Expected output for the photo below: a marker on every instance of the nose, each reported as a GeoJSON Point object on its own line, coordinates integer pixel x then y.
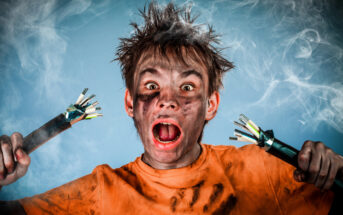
{"type": "Point", "coordinates": [167, 105]}
{"type": "Point", "coordinates": [168, 100]}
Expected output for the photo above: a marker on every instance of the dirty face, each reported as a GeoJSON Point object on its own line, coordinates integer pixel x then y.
{"type": "Point", "coordinates": [169, 105]}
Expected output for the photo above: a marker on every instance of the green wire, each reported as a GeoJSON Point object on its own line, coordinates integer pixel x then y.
{"type": "Point", "coordinates": [91, 117]}
{"type": "Point", "coordinates": [256, 133]}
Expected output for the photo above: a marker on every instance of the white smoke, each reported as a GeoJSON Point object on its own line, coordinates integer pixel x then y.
{"type": "Point", "coordinates": [31, 29]}
{"type": "Point", "coordinates": [288, 55]}
{"type": "Point", "coordinates": [33, 39]}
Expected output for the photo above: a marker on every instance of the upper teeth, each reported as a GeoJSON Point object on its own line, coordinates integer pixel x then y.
{"type": "Point", "coordinates": [165, 123]}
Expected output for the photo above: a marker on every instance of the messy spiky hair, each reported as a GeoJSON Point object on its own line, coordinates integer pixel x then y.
{"type": "Point", "coordinates": [172, 30]}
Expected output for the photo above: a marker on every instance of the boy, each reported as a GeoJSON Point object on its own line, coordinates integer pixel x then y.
{"type": "Point", "coordinates": [173, 75]}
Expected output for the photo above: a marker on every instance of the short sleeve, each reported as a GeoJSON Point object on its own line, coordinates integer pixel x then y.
{"type": "Point", "coordinates": [295, 197]}
{"type": "Point", "coordinates": [77, 197]}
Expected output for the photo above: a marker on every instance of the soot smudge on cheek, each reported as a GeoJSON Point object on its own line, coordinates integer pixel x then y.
{"type": "Point", "coordinates": [146, 99]}
{"type": "Point", "coordinates": [188, 103]}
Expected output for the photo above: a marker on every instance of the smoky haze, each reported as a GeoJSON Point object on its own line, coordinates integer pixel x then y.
{"type": "Point", "coordinates": [288, 77]}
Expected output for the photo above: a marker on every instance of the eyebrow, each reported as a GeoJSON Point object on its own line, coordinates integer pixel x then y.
{"type": "Point", "coordinates": [148, 70]}
{"type": "Point", "coordinates": [183, 74]}
{"type": "Point", "coordinates": [191, 72]}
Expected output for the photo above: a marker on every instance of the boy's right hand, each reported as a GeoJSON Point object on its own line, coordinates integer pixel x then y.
{"type": "Point", "coordinates": [14, 162]}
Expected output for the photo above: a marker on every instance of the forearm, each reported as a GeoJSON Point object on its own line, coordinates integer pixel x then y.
{"type": "Point", "coordinates": [11, 207]}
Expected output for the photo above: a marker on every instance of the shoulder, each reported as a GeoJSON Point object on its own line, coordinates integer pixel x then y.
{"type": "Point", "coordinates": [244, 149]}
{"type": "Point", "coordinates": [247, 151]}
{"type": "Point", "coordinates": [105, 168]}
{"type": "Point", "coordinates": [237, 161]}
{"type": "Point", "coordinates": [105, 172]}
{"type": "Point", "coordinates": [250, 158]}
{"type": "Point", "coordinates": [101, 168]}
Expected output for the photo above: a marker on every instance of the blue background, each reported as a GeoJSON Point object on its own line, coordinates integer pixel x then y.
{"type": "Point", "coordinates": [288, 76]}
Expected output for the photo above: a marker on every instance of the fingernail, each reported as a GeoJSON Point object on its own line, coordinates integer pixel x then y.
{"type": "Point", "coordinates": [296, 176]}
{"type": "Point", "coordinates": [302, 177]}
{"type": "Point", "coordinates": [19, 154]}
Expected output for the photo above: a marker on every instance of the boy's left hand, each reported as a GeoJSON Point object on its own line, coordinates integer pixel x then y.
{"type": "Point", "coordinates": [318, 165]}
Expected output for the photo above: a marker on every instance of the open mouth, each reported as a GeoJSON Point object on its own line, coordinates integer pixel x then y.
{"type": "Point", "coordinates": [166, 132]}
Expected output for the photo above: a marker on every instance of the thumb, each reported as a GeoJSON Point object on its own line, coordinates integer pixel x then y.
{"type": "Point", "coordinates": [24, 161]}
{"type": "Point", "coordinates": [299, 175]}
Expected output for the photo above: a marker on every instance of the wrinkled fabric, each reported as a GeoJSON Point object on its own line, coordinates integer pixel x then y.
{"type": "Point", "coordinates": [223, 180]}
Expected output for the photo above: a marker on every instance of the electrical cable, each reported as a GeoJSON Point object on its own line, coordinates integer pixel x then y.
{"type": "Point", "coordinates": [266, 140]}
{"type": "Point", "coordinates": [81, 110]}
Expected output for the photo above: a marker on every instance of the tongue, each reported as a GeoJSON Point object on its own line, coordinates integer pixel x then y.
{"type": "Point", "coordinates": [167, 132]}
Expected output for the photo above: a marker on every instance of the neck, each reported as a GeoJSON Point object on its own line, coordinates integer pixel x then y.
{"type": "Point", "coordinates": [185, 160]}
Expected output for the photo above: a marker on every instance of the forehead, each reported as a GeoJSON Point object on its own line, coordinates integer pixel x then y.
{"type": "Point", "coordinates": [171, 60]}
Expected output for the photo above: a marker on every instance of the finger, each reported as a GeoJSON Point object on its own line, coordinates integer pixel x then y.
{"type": "Point", "coordinates": [3, 139]}
{"type": "Point", "coordinates": [313, 170]}
{"type": "Point", "coordinates": [304, 156]}
{"type": "Point", "coordinates": [23, 162]}
{"type": "Point", "coordinates": [299, 175]}
{"type": "Point", "coordinates": [17, 141]}
{"type": "Point", "coordinates": [323, 172]}
{"type": "Point", "coordinates": [340, 168]}
{"type": "Point", "coordinates": [2, 166]}
{"type": "Point", "coordinates": [7, 154]}
{"type": "Point", "coordinates": [331, 176]}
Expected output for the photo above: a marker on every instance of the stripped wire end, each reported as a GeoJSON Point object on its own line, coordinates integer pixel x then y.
{"type": "Point", "coordinates": [82, 109]}
{"type": "Point", "coordinates": [241, 126]}
{"type": "Point", "coordinates": [250, 125]}
{"type": "Point", "coordinates": [245, 137]}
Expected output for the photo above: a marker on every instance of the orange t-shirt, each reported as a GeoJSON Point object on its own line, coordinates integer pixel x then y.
{"type": "Point", "coordinates": [223, 180]}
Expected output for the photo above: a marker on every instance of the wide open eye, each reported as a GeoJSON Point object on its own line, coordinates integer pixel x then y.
{"type": "Point", "coordinates": [151, 86]}
{"type": "Point", "coordinates": [187, 87]}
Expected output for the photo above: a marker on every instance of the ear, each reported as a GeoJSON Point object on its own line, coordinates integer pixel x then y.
{"type": "Point", "coordinates": [128, 103]}
{"type": "Point", "coordinates": [212, 107]}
